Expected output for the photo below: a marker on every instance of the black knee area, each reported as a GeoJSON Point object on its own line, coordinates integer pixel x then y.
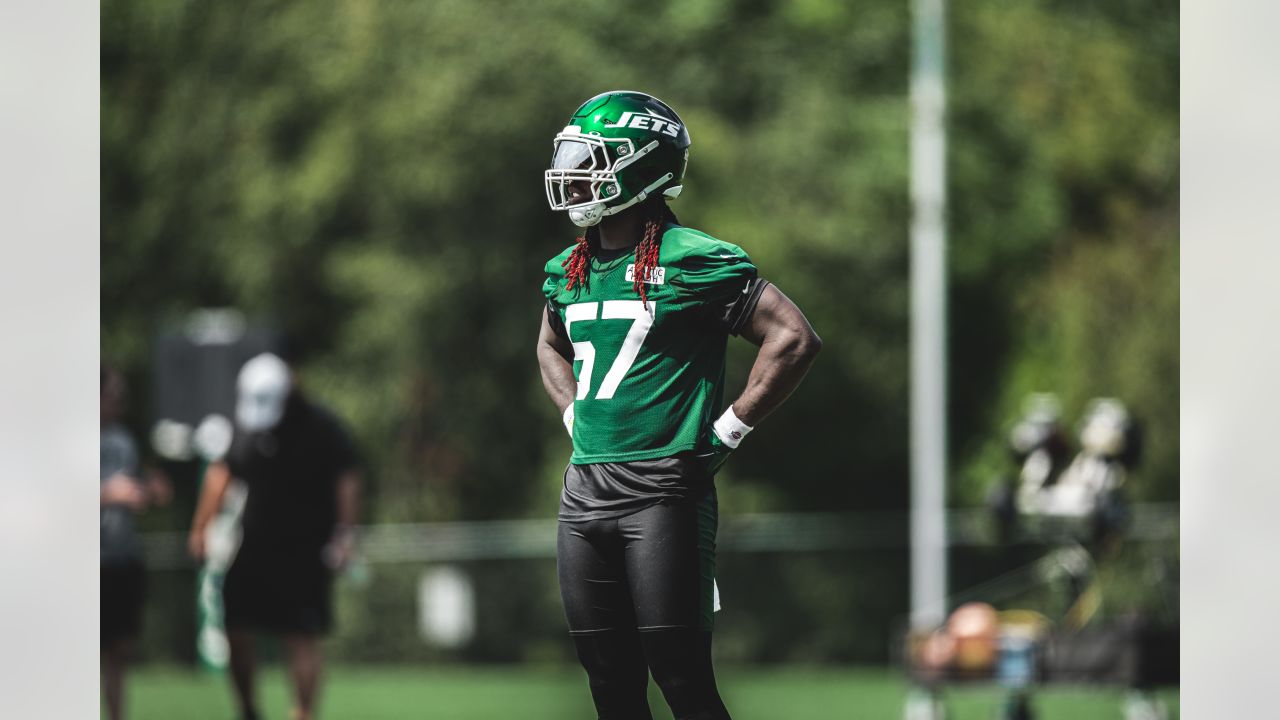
{"type": "Point", "coordinates": [680, 660]}
{"type": "Point", "coordinates": [616, 671]}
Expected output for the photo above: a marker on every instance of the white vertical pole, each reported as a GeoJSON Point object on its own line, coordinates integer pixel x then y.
{"type": "Point", "coordinates": [928, 315]}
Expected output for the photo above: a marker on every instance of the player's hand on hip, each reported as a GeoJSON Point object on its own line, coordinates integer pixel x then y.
{"type": "Point", "coordinates": [195, 544]}
{"type": "Point", "coordinates": [341, 547]}
{"type": "Point", "coordinates": [726, 433]}
{"type": "Point", "coordinates": [719, 454]}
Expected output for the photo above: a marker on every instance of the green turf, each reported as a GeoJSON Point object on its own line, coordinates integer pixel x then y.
{"type": "Point", "coordinates": [561, 694]}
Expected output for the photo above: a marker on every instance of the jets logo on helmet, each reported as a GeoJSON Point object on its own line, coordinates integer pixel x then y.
{"type": "Point", "coordinates": [617, 149]}
{"type": "Point", "coordinates": [648, 121]}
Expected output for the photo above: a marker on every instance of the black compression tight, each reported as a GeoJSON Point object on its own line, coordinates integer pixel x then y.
{"type": "Point", "coordinates": [617, 673]}
{"type": "Point", "coordinates": [618, 663]}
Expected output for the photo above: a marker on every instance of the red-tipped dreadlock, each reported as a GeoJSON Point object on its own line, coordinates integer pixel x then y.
{"type": "Point", "coordinates": [576, 264]}
{"type": "Point", "coordinates": [646, 256]}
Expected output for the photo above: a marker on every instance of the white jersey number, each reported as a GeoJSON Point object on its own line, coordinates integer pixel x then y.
{"type": "Point", "coordinates": [641, 321]}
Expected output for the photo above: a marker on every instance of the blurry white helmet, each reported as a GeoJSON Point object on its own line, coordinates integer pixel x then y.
{"type": "Point", "coordinates": [1041, 413]}
{"type": "Point", "coordinates": [1104, 426]}
{"type": "Point", "coordinates": [261, 392]}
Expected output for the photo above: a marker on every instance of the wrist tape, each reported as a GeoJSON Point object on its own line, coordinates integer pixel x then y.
{"type": "Point", "coordinates": [730, 429]}
{"type": "Point", "coordinates": [568, 419]}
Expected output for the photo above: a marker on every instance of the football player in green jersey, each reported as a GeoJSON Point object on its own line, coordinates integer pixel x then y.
{"type": "Point", "coordinates": [632, 352]}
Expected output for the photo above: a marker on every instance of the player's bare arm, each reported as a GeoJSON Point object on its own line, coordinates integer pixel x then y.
{"type": "Point", "coordinates": [788, 346]}
{"type": "Point", "coordinates": [348, 496]}
{"type": "Point", "coordinates": [216, 479]}
{"type": "Point", "coordinates": [341, 546]}
{"type": "Point", "coordinates": [555, 358]}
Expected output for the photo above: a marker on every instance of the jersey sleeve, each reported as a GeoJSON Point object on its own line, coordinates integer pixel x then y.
{"type": "Point", "coordinates": [553, 286]}
{"type": "Point", "coordinates": [550, 288]}
{"type": "Point", "coordinates": [554, 321]}
{"type": "Point", "coordinates": [736, 313]}
{"type": "Point", "coordinates": [715, 275]}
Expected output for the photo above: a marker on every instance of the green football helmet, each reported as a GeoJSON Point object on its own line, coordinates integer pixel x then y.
{"type": "Point", "coordinates": [619, 148]}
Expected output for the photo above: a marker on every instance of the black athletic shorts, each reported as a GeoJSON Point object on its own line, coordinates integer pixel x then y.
{"type": "Point", "coordinates": [652, 569]}
{"type": "Point", "coordinates": [278, 592]}
{"type": "Point", "coordinates": [122, 592]}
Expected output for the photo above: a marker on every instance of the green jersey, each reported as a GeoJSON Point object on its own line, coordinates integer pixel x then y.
{"type": "Point", "coordinates": [650, 379]}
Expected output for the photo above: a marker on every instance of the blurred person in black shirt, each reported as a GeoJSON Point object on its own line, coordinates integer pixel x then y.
{"type": "Point", "coordinates": [122, 493]}
{"type": "Point", "coordinates": [303, 482]}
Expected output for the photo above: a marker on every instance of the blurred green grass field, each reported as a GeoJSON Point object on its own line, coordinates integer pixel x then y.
{"type": "Point", "coordinates": [561, 694]}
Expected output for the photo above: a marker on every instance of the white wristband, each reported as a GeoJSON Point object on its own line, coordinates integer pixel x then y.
{"type": "Point", "coordinates": [730, 429]}
{"type": "Point", "coordinates": [568, 419]}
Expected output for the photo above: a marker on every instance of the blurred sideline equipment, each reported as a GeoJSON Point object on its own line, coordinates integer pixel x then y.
{"type": "Point", "coordinates": [974, 626]}
{"type": "Point", "coordinates": [196, 366]}
{"type": "Point", "coordinates": [1070, 507]}
{"type": "Point", "coordinates": [222, 539]}
{"type": "Point", "coordinates": [211, 441]}
{"type": "Point", "coordinates": [1088, 488]}
{"type": "Point", "coordinates": [1080, 500]}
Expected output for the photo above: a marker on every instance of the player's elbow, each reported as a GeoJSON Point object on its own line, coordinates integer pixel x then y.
{"type": "Point", "coordinates": [807, 345]}
{"type": "Point", "coordinates": [546, 353]}
{"type": "Point", "coordinates": [813, 344]}
{"type": "Point", "coordinates": [543, 349]}
{"type": "Point", "coordinates": [800, 346]}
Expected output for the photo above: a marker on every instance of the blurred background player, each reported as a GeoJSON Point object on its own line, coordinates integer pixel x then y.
{"type": "Point", "coordinates": [647, 306]}
{"type": "Point", "coordinates": [122, 493]}
{"type": "Point", "coordinates": [303, 484]}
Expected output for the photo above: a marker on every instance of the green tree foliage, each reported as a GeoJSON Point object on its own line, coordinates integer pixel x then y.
{"type": "Point", "coordinates": [369, 176]}
{"type": "Point", "coordinates": [1064, 244]}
